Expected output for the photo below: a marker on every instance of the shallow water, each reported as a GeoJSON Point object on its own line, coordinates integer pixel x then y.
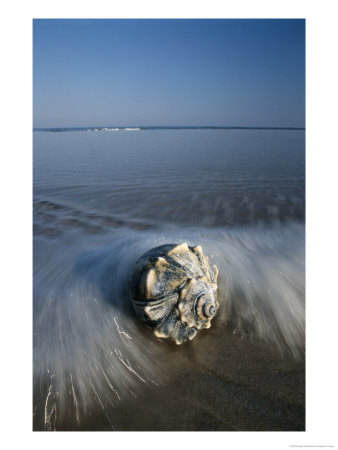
{"type": "Point", "coordinates": [101, 199]}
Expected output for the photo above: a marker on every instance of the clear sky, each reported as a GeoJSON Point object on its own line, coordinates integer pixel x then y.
{"type": "Point", "coordinates": [169, 72]}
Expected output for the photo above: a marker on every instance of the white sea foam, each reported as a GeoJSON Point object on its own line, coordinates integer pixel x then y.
{"type": "Point", "coordinates": [115, 129]}
{"type": "Point", "coordinates": [90, 350]}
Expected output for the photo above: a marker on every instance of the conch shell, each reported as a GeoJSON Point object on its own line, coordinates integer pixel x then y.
{"type": "Point", "coordinates": [173, 290]}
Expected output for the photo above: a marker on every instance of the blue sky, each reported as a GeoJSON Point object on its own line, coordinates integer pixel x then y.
{"type": "Point", "coordinates": [168, 72]}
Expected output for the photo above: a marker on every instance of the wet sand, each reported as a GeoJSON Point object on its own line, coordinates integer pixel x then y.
{"type": "Point", "coordinates": [239, 386]}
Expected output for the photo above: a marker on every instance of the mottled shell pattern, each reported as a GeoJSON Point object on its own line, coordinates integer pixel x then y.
{"type": "Point", "coordinates": [173, 290]}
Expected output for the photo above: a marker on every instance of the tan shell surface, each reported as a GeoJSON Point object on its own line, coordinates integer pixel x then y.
{"type": "Point", "coordinates": [173, 290]}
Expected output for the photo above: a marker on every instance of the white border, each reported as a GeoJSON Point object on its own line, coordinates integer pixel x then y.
{"type": "Point", "coordinates": [321, 219]}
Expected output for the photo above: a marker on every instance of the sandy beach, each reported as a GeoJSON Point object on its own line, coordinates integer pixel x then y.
{"type": "Point", "coordinates": [238, 386]}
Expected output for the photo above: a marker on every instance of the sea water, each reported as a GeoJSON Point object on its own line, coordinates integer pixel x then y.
{"type": "Point", "coordinates": [103, 197]}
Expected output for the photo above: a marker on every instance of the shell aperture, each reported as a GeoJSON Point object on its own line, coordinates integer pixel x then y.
{"type": "Point", "coordinates": [173, 290]}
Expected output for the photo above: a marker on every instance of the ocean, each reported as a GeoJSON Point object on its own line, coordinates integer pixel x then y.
{"type": "Point", "coordinates": [103, 196]}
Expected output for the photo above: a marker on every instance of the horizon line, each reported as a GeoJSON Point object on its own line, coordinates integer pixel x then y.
{"type": "Point", "coordinates": [150, 127]}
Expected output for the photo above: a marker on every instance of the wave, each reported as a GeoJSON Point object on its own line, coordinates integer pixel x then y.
{"type": "Point", "coordinates": [103, 129]}
{"type": "Point", "coordinates": [52, 218]}
{"type": "Point", "coordinates": [164, 128]}
{"type": "Point", "coordinates": [90, 351]}
{"type": "Point", "coordinates": [114, 129]}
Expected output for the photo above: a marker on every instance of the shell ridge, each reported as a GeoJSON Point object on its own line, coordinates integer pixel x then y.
{"type": "Point", "coordinates": [163, 328]}
{"type": "Point", "coordinates": [202, 263]}
{"type": "Point", "coordinates": [153, 302]}
{"type": "Point", "coordinates": [210, 271]}
{"type": "Point", "coordinates": [160, 299]}
{"type": "Point", "coordinates": [179, 266]}
{"type": "Point", "coordinates": [185, 258]}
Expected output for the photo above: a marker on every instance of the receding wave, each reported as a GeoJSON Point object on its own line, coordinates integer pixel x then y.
{"type": "Point", "coordinates": [91, 353]}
